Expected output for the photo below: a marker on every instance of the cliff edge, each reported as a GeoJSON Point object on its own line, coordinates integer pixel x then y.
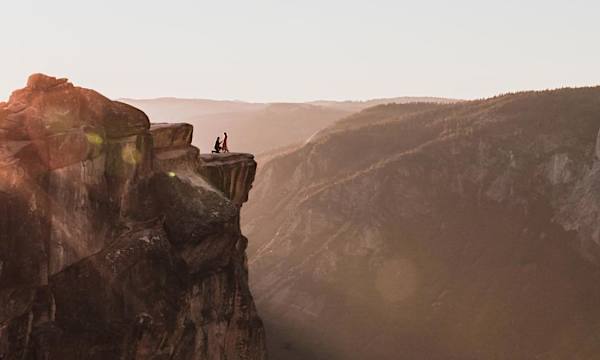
{"type": "Point", "coordinates": [118, 240]}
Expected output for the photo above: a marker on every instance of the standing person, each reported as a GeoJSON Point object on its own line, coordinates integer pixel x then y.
{"type": "Point", "coordinates": [225, 148]}
{"type": "Point", "coordinates": [217, 146]}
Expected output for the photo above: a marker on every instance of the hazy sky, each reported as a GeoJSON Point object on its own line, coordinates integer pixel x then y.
{"type": "Point", "coordinates": [283, 50]}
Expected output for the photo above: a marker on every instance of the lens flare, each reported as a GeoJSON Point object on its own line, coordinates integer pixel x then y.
{"type": "Point", "coordinates": [94, 138]}
{"type": "Point", "coordinates": [130, 154]}
{"type": "Point", "coordinates": [397, 280]}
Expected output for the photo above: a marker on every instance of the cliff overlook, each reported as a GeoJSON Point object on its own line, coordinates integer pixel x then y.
{"type": "Point", "coordinates": [118, 240]}
{"type": "Point", "coordinates": [261, 128]}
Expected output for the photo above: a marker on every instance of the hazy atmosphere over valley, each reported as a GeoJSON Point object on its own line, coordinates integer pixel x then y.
{"type": "Point", "coordinates": [332, 180]}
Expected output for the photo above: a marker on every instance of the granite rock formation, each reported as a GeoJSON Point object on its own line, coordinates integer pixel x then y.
{"type": "Point", "coordinates": [117, 239]}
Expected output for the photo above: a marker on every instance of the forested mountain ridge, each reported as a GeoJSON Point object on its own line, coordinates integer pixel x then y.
{"type": "Point", "coordinates": [460, 231]}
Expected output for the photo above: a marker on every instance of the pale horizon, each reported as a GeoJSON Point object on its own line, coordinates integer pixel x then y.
{"type": "Point", "coordinates": [269, 51]}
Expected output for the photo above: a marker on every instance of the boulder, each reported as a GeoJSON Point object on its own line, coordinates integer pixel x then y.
{"type": "Point", "coordinates": [168, 136]}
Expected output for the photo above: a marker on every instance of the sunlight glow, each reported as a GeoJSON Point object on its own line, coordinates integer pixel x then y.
{"type": "Point", "coordinates": [130, 154]}
{"type": "Point", "coordinates": [94, 138]}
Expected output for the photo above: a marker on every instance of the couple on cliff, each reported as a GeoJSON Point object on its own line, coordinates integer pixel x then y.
{"type": "Point", "coordinates": [221, 146]}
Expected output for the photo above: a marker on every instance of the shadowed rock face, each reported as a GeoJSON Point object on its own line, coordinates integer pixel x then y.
{"type": "Point", "coordinates": [113, 245]}
{"type": "Point", "coordinates": [233, 174]}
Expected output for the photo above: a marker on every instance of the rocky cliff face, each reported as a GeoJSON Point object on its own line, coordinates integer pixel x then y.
{"type": "Point", "coordinates": [117, 239]}
{"type": "Point", "coordinates": [465, 231]}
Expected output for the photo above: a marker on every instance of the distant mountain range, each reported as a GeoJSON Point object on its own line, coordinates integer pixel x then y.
{"type": "Point", "coordinates": [434, 231]}
{"type": "Point", "coordinates": [256, 127]}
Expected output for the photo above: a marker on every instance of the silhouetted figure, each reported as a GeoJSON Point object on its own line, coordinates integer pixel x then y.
{"type": "Point", "coordinates": [225, 148]}
{"type": "Point", "coordinates": [217, 146]}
